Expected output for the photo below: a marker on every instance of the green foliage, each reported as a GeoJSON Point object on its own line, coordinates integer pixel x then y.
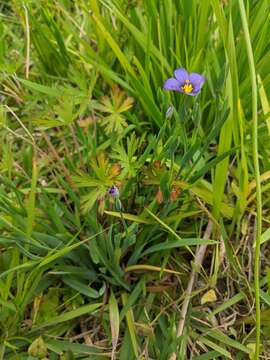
{"type": "Point", "coordinates": [84, 275]}
{"type": "Point", "coordinates": [114, 121]}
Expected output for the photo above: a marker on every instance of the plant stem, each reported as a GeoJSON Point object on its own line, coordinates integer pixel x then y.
{"type": "Point", "coordinates": [257, 174]}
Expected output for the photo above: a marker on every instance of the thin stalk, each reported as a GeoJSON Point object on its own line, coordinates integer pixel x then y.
{"type": "Point", "coordinates": [27, 27]}
{"type": "Point", "coordinates": [257, 174]}
{"type": "Point", "coordinates": [119, 207]}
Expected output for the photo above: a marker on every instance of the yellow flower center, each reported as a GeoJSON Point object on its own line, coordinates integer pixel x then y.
{"type": "Point", "coordinates": [187, 87]}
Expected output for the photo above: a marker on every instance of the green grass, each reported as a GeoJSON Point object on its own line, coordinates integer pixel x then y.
{"type": "Point", "coordinates": [86, 276]}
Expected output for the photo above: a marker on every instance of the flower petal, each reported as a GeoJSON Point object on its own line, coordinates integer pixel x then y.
{"type": "Point", "coordinates": [181, 75]}
{"type": "Point", "coordinates": [171, 84]}
{"type": "Point", "coordinates": [197, 81]}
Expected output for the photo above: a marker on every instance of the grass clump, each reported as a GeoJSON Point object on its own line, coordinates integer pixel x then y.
{"type": "Point", "coordinates": [128, 213]}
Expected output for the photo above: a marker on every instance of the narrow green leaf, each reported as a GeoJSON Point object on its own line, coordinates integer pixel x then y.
{"type": "Point", "coordinates": [114, 321]}
{"type": "Point", "coordinates": [40, 88]}
{"type": "Point", "coordinates": [70, 315]}
{"type": "Point", "coordinates": [177, 244]}
{"type": "Point", "coordinates": [131, 327]}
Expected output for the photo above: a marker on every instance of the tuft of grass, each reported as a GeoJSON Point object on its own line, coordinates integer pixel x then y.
{"type": "Point", "coordinates": [86, 275]}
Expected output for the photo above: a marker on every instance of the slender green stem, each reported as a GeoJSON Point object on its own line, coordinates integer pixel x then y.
{"type": "Point", "coordinates": [257, 175]}
{"type": "Point", "coordinates": [119, 208]}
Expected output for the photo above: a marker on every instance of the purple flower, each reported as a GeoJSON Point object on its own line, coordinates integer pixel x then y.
{"type": "Point", "coordinates": [113, 192]}
{"type": "Point", "coordinates": [184, 82]}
